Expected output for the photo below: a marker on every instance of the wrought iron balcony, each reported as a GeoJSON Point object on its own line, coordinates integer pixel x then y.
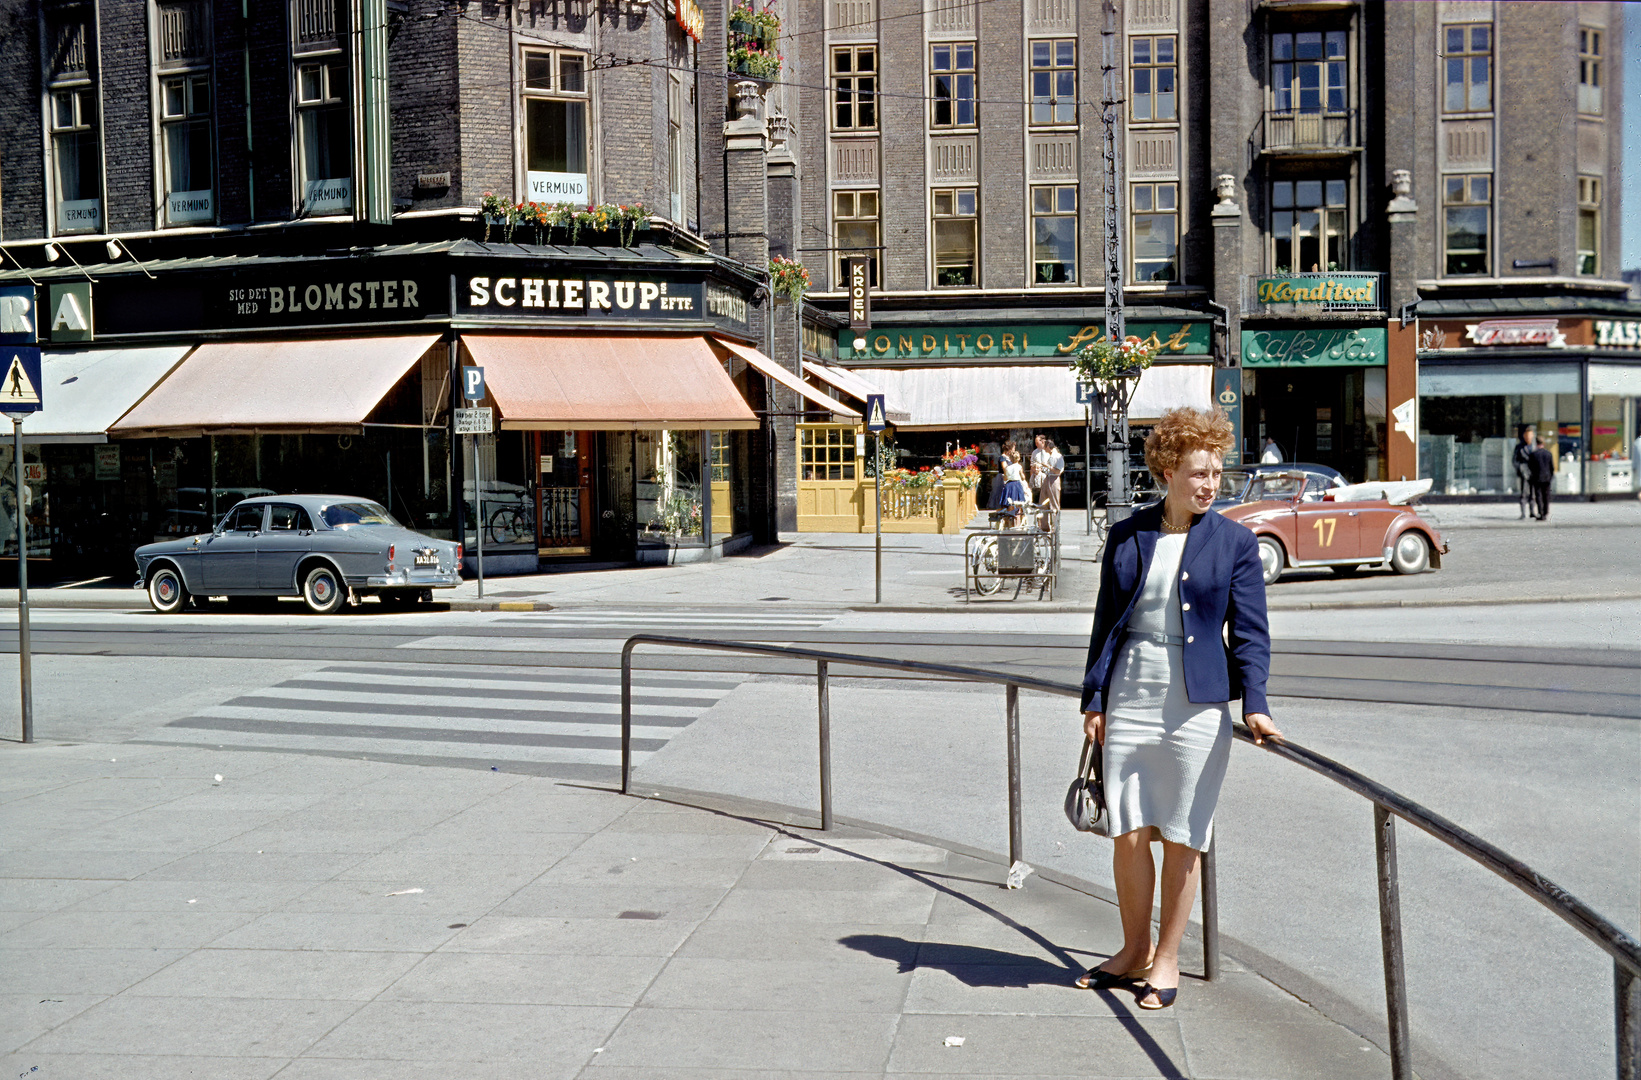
{"type": "Point", "coordinates": [1302, 132]}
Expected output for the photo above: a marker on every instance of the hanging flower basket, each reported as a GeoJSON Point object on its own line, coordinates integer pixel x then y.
{"type": "Point", "coordinates": [788, 278]}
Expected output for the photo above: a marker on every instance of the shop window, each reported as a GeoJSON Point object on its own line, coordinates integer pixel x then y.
{"type": "Point", "coordinates": [1309, 72]}
{"type": "Point", "coordinates": [1589, 71]}
{"type": "Point", "coordinates": [1153, 72]}
{"type": "Point", "coordinates": [668, 467]}
{"type": "Point", "coordinates": [323, 138]}
{"type": "Point", "coordinates": [1589, 225]}
{"type": "Point", "coordinates": [952, 84]}
{"type": "Point", "coordinates": [956, 237]}
{"type": "Point", "coordinates": [555, 126]}
{"type": "Point", "coordinates": [1309, 230]}
{"type": "Point", "coordinates": [1054, 234]}
{"type": "Point", "coordinates": [1467, 205]}
{"type": "Point", "coordinates": [1054, 81]}
{"type": "Point", "coordinates": [185, 136]}
{"type": "Point", "coordinates": [1154, 213]}
{"type": "Point", "coordinates": [826, 452]}
{"type": "Point", "coordinates": [1468, 59]}
{"type": "Point", "coordinates": [854, 88]}
{"type": "Point", "coordinates": [855, 221]}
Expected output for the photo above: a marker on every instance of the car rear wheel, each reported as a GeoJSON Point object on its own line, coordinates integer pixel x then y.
{"type": "Point", "coordinates": [322, 591]}
{"type": "Point", "coordinates": [1271, 558]}
{"type": "Point", "coordinates": [166, 592]}
{"type": "Point", "coordinates": [1411, 555]}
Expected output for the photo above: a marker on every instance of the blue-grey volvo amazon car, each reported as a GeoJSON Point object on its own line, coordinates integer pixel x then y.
{"type": "Point", "coordinates": [323, 548]}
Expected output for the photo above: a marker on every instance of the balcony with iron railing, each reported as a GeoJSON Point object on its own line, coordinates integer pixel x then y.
{"type": "Point", "coordinates": [1309, 133]}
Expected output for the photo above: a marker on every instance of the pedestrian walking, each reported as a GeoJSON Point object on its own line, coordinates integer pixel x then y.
{"type": "Point", "coordinates": [1048, 494]}
{"type": "Point", "coordinates": [1162, 672]}
{"type": "Point", "coordinates": [1544, 474]}
{"type": "Point", "coordinates": [1015, 495]}
{"type": "Point", "coordinates": [999, 479]}
{"type": "Point", "coordinates": [1522, 459]}
{"type": "Point", "coordinates": [1271, 453]}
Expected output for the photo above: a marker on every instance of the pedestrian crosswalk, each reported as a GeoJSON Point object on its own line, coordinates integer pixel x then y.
{"type": "Point", "coordinates": [665, 621]}
{"type": "Point", "coordinates": [556, 721]}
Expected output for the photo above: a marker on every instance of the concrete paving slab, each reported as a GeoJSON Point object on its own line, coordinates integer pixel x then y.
{"type": "Point", "coordinates": [752, 1039]}
{"type": "Point", "coordinates": [803, 941]}
{"type": "Point", "coordinates": [1094, 1048]}
{"type": "Point", "coordinates": [487, 837]}
{"type": "Point", "coordinates": [573, 937]}
{"type": "Point", "coordinates": [413, 932]}
{"type": "Point", "coordinates": [32, 1063]}
{"type": "Point", "coordinates": [672, 845]}
{"type": "Point", "coordinates": [609, 901]}
{"type": "Point", "coordinates": [233, 1027]}
{"type": "Point", "coordinates": [824, 986]}
{"type": "Point", "coordinates": [395, 897]}
{"type": "Point", "coordinates": [53, 972]}
{"type": "Point", "coordinates": [593, 869]}
{"type": "Point", "coordinates": [123, 930]}
{"type": "Point", "coordinates": [891, 903]}
{"type": "Point", "coordinates": [25, 1017]}
{"type": "Point", "coordinates": [255, 866]}
{"type": "Point", "coordinates": [528, 979]}
{"type": "Point", "coordinates": [1222, 1049]}
{"type": "Point", "coordinates": [270, 973]}
{"type": "Point", "coordinates": [284, 841]}
{"type": "Point", "coordinates": [34, 894]}
{"type": "Point", "coordinates": [449, 868]}
{"type": "Point", "coordinates": [253, 897]}
{"type": "Point", "coordinates": [546, 1040]}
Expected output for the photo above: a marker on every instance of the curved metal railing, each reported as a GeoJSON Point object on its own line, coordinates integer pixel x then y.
{"type": "Point", "coordinates": [1388, 805]}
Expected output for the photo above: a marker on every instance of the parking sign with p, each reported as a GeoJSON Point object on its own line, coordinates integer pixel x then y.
{"type": "Point", "coordinates": [473, 383]}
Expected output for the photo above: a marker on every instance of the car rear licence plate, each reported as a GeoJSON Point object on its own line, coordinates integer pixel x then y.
{"type": "Point", "coordinates": [427, 560]}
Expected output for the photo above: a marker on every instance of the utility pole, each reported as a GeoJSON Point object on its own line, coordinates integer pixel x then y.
{"type": "Point", "coordinates": [1118, 502]}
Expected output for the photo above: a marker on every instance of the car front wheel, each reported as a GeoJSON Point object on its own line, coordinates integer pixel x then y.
{"type": "Point", "coordinates": [322, 591]}
{"type": "Point", "coordinates": [1271, 559]}
{"type": "Point", "coordinates": [166, 592]}
{"type": "Point", "coordinates": [1411, 555]}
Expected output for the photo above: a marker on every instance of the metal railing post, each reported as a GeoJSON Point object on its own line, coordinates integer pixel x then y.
{"type": "Point", "coordinates": [626, 716]}
{"type": "Point", "coordinates": [1016, 836]}
{"type": "Point", "coordinates": [823, 688]}
{"type": "Point", "coordinates": [1627, 1020]}
{"type": "Point", "coordinates": [1210, 915]}
{"type": "Point", "coordinates": [1390, 933]}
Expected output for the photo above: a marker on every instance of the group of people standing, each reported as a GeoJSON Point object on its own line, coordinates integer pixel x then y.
{"type": "Point", "coordinates": [1535, 472]}
{"type": "Point", "coordinates": [1018, 482]}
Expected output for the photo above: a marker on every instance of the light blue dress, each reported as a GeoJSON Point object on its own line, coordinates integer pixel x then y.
{"type": "Point", "coordinates": [1165, 756]}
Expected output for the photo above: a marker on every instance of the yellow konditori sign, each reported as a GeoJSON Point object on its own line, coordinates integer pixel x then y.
{"type": "Point", "coordinates": [1342, 289]}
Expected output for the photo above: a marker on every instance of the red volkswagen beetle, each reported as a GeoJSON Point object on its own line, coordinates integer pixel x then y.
{"type": "Point", "coordinates": [1301, 524]}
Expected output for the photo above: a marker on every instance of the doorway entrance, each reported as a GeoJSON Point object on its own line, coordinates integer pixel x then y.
{"type": "Point", "coordinates": [565, 464]}
{"type": "Point", "coordinates": [1315, 415]}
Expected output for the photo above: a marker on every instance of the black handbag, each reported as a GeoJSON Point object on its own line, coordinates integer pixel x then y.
{"type": "Point", "coordinates": [1085, 798]}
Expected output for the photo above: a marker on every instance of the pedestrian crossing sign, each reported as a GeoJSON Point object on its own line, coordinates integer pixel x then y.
{"type": "Point", "coordinates": [20, 388]}
{"type": "Point", "coordinates": [875, 417]}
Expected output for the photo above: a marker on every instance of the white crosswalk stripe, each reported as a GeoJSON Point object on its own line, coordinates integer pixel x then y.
{"type": "Point", "coordinates": [561, 721]}
{"type": "Point", "coordinates": [656, 620]}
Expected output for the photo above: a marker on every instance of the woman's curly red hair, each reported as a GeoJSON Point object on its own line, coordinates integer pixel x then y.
{"type": "Point", "coordinates": [1181, 431]}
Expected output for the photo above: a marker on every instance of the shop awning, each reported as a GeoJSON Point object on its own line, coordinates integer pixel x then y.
{"type": "Point", "coordinates": [770, 369]}
{"type": "Point", "coordinates": [607, 382]}
{"type": "Point", "coordinates": [855, 387]}
{"type": "Point", "coordinates": [1000, 397]}
{"type": "Point", "coordinates": [315, 386]}
{"type": "Point", "coordinates": [86, 390]}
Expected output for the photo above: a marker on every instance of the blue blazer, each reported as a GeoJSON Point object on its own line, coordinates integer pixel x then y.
{"type": "Point", "coordinates": [1222, 582]}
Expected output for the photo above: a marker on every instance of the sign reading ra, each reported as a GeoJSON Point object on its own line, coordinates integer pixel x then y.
{"type": "Point", "coordinates": [70, 312]}
{"type": "Point", "coordinates": [20, 386]}
{"type": "Point", "coordinates": [19, 322]}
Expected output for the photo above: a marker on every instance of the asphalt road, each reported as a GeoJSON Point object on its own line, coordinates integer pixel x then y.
{"type": "Point", "coordinates": [1519, 723]}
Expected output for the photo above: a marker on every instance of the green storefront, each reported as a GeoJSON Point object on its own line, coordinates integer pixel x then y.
{"type": "Point", "coordinates": [1319, 392]}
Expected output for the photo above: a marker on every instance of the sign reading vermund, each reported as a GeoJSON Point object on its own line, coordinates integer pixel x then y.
{"type": "Point", "coordinates": [1360, 347]}
{"type": "Point", "coordinates": [590, 295]}
{"type": "Point", "coordinates": [1356, 289]}
{"type": "Point", "coordinates": [1048, 340]}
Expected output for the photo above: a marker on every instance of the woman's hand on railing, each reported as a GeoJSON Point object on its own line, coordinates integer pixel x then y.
{"type": "Point", "coordinates": [1094, 727]}
{"type": "Point", "coordinates": [1262, 727]}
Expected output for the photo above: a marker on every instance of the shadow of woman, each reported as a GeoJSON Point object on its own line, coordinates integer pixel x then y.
{"type": "Point", "coordinates": [971, 965]}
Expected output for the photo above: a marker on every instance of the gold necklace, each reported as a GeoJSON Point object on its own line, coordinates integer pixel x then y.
{"type": "Point", "coordinates": [1175, 528]}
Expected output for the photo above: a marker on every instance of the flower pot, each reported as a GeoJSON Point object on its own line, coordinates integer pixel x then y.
{"type": "Point", "coordinates": [740, 25]}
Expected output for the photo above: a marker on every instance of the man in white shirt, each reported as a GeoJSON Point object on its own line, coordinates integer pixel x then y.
{"type": "Point", "coordinates": [1053, 466]}
{"type": "Point", "coordinates": [1272, 454]}
{"type": "Point", "coordinates": [1039, 462]}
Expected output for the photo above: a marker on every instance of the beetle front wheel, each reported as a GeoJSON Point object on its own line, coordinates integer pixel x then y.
{"type": "Point", "coordinates": [1271, 559]}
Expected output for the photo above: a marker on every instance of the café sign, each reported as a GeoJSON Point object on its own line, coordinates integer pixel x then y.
{"type": "Point", "coordinates": [1358, 347]}
{"type": "Point", "coordinates": [1546, 332]}
{"type": "Point", "coordinates": [1360, 290]}
{"type": "Point", "coordinates": [1054, 341]}
{"type": "Point", "coordinates": [1618, 333]}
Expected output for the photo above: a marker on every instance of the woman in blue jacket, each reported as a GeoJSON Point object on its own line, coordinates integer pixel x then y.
{"type": "Point", "coordinates": [1179, 632]}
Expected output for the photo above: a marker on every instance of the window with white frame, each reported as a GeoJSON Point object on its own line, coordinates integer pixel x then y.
{"type": "Point", "coordinates": [1589, 225]}
{"type": "Point", "coordinates": [1154, 231]}
{"type": "Point", "coordinates": [956, 237]}
{"type": "Point", "coordinates": [1589, 71]}
{"type": "Point", "coordinates": [72, 122]}
{"type": "Point", "coordinates": [1309, 226]}
{"type": "Point", "coordinates": [677, 100]}
{"type": "Point", "coordinates": [1153, 70]}
{"type": "Point", "coordinates": [1468, 61]}
{"type": "Point", "coordinates": [555, 126]}
{"type": "Point", "coordinates": [1054, 81]}
{"type": "Point", "coordinates": [856, 223]}
{"type": "Point", "coordinates": [324, 138]}
{"type": "Point", "coordinates": [854, 88]}
{"type": "Point", "coordinates": [188, 162]}
{"type": "Point", "coordinates": [1054, 234]}
{"type": "Point", "coordinates": [1467, 207]}
{"type": "Point", "coordinates": [952, 84]}
{"type": "Point", "coordinates": [1309, 72]}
